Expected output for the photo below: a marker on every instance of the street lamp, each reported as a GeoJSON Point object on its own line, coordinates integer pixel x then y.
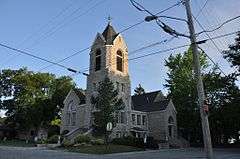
{"type": "Point", "coordinates": [154, 17]}
{"type": "Point", "coordinates": [165, 27]}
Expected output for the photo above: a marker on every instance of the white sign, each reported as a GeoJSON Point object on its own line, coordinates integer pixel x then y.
{"type": "Point", "coordinates": [145, 138]}
{"type": "Point", "coordinates": [109, 126]}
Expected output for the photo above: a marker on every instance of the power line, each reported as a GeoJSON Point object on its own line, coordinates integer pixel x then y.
{"type": "Point", "coordinates": [64, 59]}
{"type": "Point", "coordinates": [170, 7]}
{"type": "Point", "coordinates": [47, 33]}
{"type": "Point", "coordinates": [206, 15]}
{"type": "Point", "coordinates": [83, 72]}
{"type": "Point", "coordinates": [49, 22]}
{"type": "Point", "coordinates": [37, 57]}
{"type": "Point", "coordinates": [142, 21]}
{"type": "Point", "coordinates": [212, 61]}
{"type": "Point", "coordinates": [217, 22]}
{"type": "Point", "coordinates": [160, 23]}
{"type": "Point", "coordinates": [44, 26]}
{"type": "Point", "coordinates": [158, 52]}
{"type": "Point", "coordinates": [123, 30]}
{"type": "Point", "coordinates": [210, 38]}
{"type": "Point", "coordinates": [224, 35]}
{"type": "Point", "coordinates": [132, 26]}
{"type": "Point", "coordinates": [60, 26]}
{"type": "Point", "coordinates": [130, 53]}
{"type": "Point", "coordinates": [39, 29]}
{"type": "Point", "coordinates": [150, 45]}
{"type": "Point", "coordinates": [202, 8]}
{"type": "Point", "coordinates": [150, 54]}
{"type": "Point", "coordinates": [227, 21]}
{"type": "Point", "coordinates": [166, 50]}
{"type": "Point", "coordinates": [170, 49]}
{"type": "Point", "coordinates": [208, 35]}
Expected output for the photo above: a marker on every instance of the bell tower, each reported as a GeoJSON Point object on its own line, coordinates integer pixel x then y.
{"type": "Point", "coordinates": [109, 58]}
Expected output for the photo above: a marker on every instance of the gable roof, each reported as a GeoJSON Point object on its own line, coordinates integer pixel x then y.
{"type": "Point", "coordinates": [148, 102]}
{"type": "Point", "coordinates": [81, 95]}
{"type": "Point", "coordinates": [109, 34]}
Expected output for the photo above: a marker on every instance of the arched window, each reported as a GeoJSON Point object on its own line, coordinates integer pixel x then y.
{"type": "Point", "coordinates": [119, 61]}
{"type": "Point", "coordinates": [170, 127]}
{"type": "Point", "coordinates": [98, 60]}
{"type": "Point", "coordinates": [71, 113]}
{"type": "Point", "coordinates": [70, 106]}
{"type": "Point", "coordinates": [170, 120]}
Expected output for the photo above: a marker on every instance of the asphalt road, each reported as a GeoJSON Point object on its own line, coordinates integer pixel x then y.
{"type": "Point", "coordinates": [36, 153]}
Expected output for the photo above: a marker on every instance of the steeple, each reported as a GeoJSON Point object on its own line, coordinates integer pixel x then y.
{"type": "Point", "coordinates": [109, 58]}
{"type": "Point", "coordinates": [109, 34]}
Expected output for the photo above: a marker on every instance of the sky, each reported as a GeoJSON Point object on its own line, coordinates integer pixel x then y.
{"type": "Point", "coordinates": [56, 29]}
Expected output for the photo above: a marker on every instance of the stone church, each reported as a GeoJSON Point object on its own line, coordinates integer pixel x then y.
{"type": "Point", "coordinates": [150, 114]}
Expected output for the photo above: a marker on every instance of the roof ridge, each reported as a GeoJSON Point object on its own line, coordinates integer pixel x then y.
{"type": "Point", "coordinates": [109, 34]}
{"type": "Point", "coordinates": [147, 93]}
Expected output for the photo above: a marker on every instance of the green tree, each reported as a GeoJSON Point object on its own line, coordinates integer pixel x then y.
{"type": "Point", "coordinates": [221, 92]}
{"type": "Point", "coordinates": [139, 90]}
{"type": "Point", "coordinates": [233, 54]}
{"type": "Point", "coordinates": [32, 100]}
{"type": "Point", "coordinates": [107, 105]}
{"type": "Point", "coordinates": [223, 95]}
{"type": "Point", "coordinates": [182, 89]}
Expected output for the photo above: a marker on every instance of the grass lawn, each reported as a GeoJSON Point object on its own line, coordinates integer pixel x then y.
{"type": "Point", "coordinates": [16, 143]}
{"type": "Point", "coordinates": [102, 149]}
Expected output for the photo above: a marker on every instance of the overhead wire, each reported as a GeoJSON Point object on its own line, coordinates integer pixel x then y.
{"type": "Point", "coordinates": [123, 30]}
{"type": "Point", "coordinates": [36, 57]}
{"type": "Point", "coordinates": [214, 22]}
{"type": "Point", "coordinates": [212, 61]}
{"type": "Point", "coordinates": [160, 23]}
{"type": "Point", "coordinates": [40, 29]}
{"type": "Point", "coordinates": [198, 14]}
{"type": "Point", "coordinates": [206, 18]}
{"type": "Point", "coordinates": [51, 21]}
{"type": "Point", "coordinates": [141, 8]}
{"type": "Point", "coordinates": [63, 24]}
{"type": "Point", "coordinates": [172, 49]}
{"type": "Point", "coordinates": [202, 8]}
{"type": "Point", "coordinates": [151, 45]}
{"type": "Point", "coordinates": [227, 21]}
{"type": "Point", "coordinates": [66, 17]}
{"type": "Point", "coordinates": [83, 72]}
{"type": "Point", "coordinates": [207, 35]}
{"type": "Point", "coordinates": [210, 38]}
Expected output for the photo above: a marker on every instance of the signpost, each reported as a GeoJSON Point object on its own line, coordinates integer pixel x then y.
{"type": "Point", "coordinates": [109, 128]}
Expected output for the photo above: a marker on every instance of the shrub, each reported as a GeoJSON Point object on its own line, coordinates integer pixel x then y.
{"type": "Point", "coordinates": [151, 143]}
{"type": "Point", "coordinates": [53, 130]}
{"type": "Point", "coordinates": [97, 142]}
{"type": "Point", "coordinates": [53, 139]}
{"type": "Point", "coordinates": [129, 141]}
{"type": "Point", "coordinates": [66, 143]}
{"type": "Point", "coordinates": [82, 139]}
{"type": "Point", "coordinates": [42, 141]}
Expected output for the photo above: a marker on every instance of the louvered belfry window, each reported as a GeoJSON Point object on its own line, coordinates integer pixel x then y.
{"type": "Point", "coordinates": [119, 61]}
{"type": "Point", "coordinates": [98, 60]}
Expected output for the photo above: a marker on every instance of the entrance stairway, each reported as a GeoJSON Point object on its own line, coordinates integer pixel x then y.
{"type": "Point", "coordinates": [73, 134]}
{"type": "Point", "coordinates": [179, 142]}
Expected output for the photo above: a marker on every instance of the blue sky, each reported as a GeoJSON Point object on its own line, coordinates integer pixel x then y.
{"type": "Point", "coordinates": [55, 29]}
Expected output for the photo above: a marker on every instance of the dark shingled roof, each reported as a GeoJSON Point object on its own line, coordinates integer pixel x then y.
{"type": "Point", "coordinates": [147, 102]}
{"type": "Point", "coordinates": [81, 94]}
{"type": "Point", "coordinates": [109, 34]}
{"type": "Point", "coordinates": [137, 129]}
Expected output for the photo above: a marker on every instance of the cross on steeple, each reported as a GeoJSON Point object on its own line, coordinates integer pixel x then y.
{"type": "Point", "coordinates": [109, 19]}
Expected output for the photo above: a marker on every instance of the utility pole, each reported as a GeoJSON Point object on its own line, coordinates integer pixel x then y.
{"type": "Point", "coordinates": [200, 89]}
